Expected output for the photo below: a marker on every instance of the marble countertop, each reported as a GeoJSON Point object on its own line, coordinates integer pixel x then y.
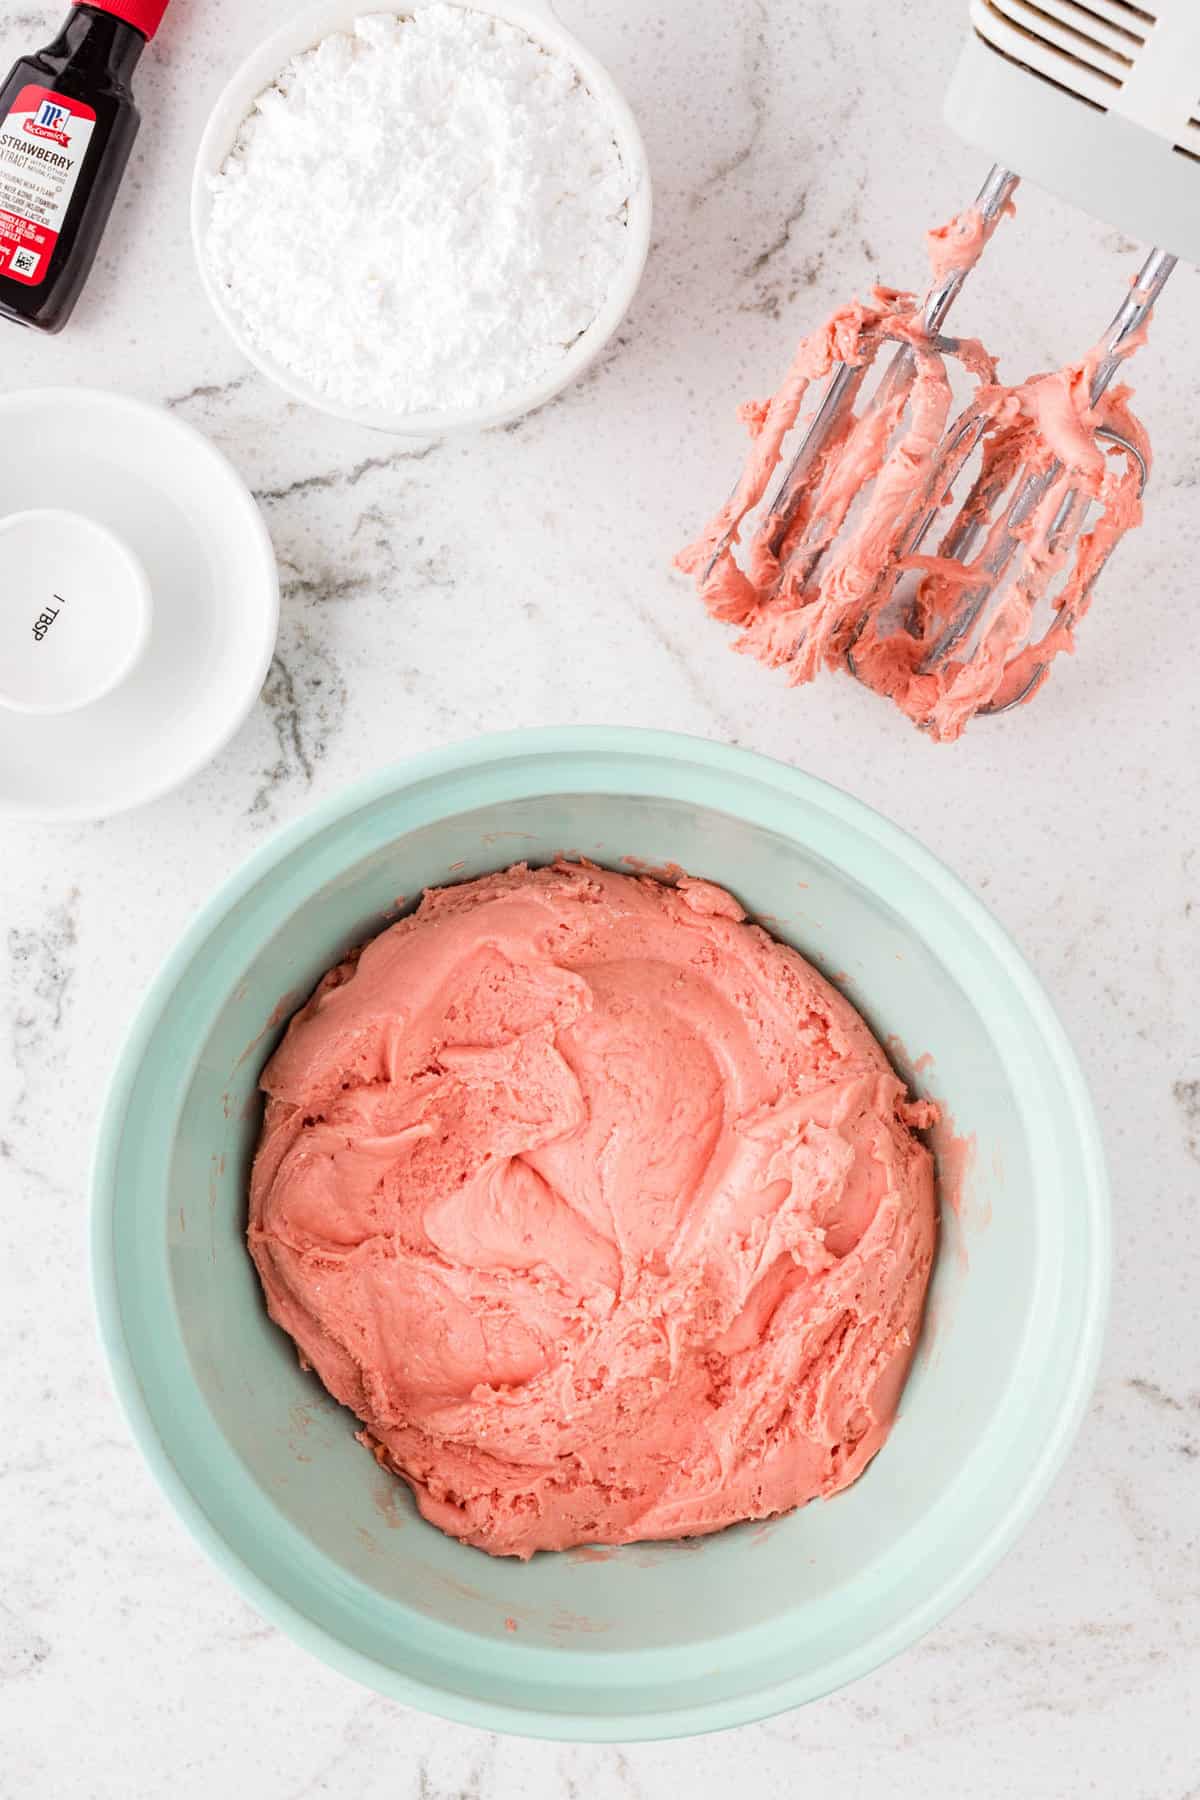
{"type": "Point", "coordinates": [435, 591]}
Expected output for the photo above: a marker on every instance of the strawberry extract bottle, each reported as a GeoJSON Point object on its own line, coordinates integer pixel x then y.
{"type": "Point", "coordinates": [67, 126]}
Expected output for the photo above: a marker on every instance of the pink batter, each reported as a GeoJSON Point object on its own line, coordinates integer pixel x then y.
{"type": "Point", "coordinates": [601, 1209]}
{"type": "Point", "coordinates": [878, 475]}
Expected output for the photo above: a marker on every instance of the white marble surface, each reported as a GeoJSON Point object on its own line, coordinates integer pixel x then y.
{"type": "Point", "coordinates": [431, 592]}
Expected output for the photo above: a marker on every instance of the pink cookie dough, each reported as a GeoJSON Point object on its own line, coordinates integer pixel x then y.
{"type": "Point", "coordinates": [600, 1208]}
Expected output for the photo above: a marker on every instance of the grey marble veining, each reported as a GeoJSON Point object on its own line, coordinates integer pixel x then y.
{"type": "Point", "coordinates": [437, 589]}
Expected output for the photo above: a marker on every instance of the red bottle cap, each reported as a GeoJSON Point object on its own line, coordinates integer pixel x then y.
{"type": "Point", "coordinates": [144, 15]}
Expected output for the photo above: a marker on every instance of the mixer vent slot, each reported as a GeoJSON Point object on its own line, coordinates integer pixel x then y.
{"type": "Point", "coordinates": [1031, 69]}
{"type": "Point", "coordinates": [1136, 14]}
{"type": "Point", "coordinates": [1085, 41]}
{"type": "Point", "coordinates": [1191, 146]}
{"type": "Point", "coordinates": [1105, 23]}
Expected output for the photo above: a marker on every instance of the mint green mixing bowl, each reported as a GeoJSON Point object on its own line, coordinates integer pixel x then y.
{"type": "Point", "coordinates": [649, 1641]}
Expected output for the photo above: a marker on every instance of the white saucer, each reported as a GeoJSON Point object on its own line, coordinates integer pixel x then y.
{"type": "Point", "coordinates": [184, 518]}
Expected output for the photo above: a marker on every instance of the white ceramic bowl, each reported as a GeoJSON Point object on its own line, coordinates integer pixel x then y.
{"type": "Point", "coordinates": [308, 28]}
{"type": "Point", "coordinates": [74, 610]}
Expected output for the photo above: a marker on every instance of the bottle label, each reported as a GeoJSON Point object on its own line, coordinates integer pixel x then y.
{"type": "Point", "coordinates": [43, 144]}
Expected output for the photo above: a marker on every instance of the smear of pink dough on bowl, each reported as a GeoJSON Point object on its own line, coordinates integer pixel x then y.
{"type": "Point", "coordinates": [649, 1640]}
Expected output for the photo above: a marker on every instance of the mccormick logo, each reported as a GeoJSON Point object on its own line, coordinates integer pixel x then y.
{"type": "Point", "coordinates": [48, 122]}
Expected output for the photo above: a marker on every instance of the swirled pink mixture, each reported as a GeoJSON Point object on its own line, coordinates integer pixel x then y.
{"type": "Point", "coordinates": [600, 1208]}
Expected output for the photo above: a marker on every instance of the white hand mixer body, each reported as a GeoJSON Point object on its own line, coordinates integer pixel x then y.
{"type": "Point", "coordinates": [1098, 102]}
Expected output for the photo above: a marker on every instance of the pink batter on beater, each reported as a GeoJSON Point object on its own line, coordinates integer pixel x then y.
{"type": "Point", "coordinates": [817, 584]}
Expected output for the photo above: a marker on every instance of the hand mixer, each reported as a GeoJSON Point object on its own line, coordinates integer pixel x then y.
{"type": "Point", "coordinates": [1101, 102]}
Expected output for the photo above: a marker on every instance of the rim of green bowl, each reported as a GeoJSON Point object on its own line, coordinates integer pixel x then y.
{"type": "Point", "coordinates": [792, 784]}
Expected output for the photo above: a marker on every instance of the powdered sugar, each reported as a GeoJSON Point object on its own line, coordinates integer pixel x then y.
{"type": "Point", "coordinates": [424, 215]}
